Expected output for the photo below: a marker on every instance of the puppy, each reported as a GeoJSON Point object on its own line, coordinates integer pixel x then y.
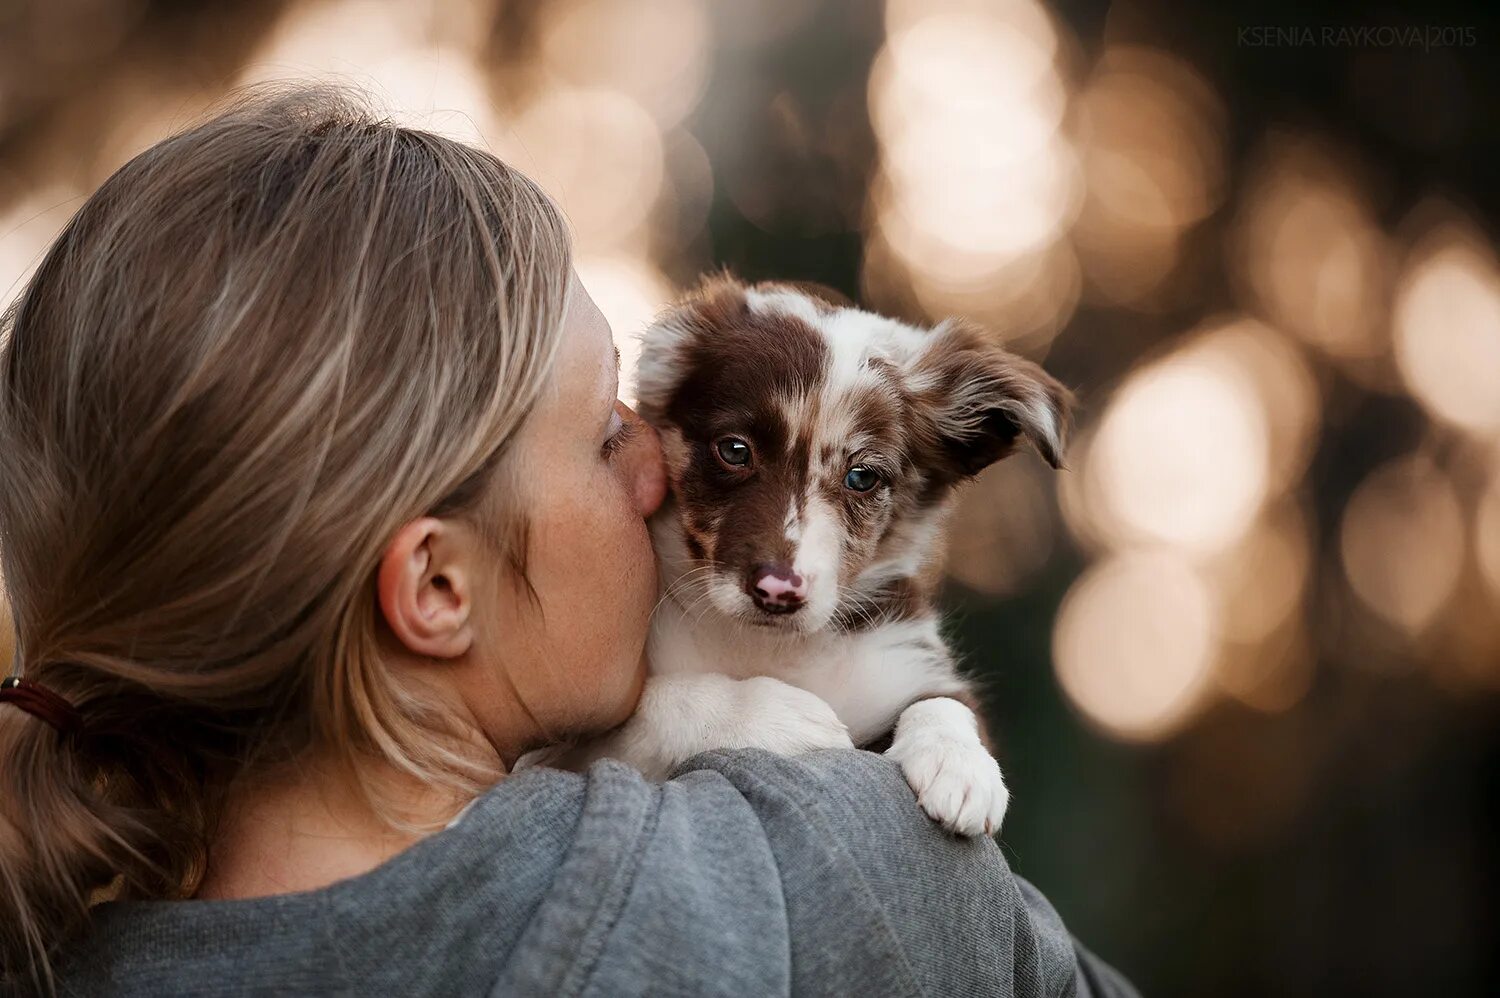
{"type": "Point", "coordinates": [813, 450]}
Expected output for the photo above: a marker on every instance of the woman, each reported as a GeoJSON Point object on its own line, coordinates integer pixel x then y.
{"type": "Point", "coordinates": [318, 511]}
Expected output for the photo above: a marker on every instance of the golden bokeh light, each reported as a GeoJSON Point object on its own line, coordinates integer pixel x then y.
{"type": "Point", "coordinates": [1306, 246]}
{"type": "Point", "coordinates": [1021, 299]}
{"type": "Point", "coordinates": [1402, 542]}
{"type": "Point", "coordinates": [599, 153]}
{"type": "Point", "coordinates": [689, 194]}
{"type": "Point", "coordinates": [420, 67]}
{"type": "Point", "coordinates": [1190, 463]}
{"type": "Point", "coordinates": [1150, 136]}
{"type": "Point", "coordinates": [1134, 644]}
{"type": "Point", "coordinates": [990, 102]}
{"type": "Point", "coordinates": [1277, 370]}
{"type": "Point", "coordinates": [1261, 580]}
{"type": "Point", "coordinates": [655, 51]}
{"type": "Point", "coordinates": [977, 183]}
{"type": "Point", "coordinates": [590, 128]}
{"type": "Point", "coordinates": [1447, 328]}
{"type": "Point", "coordinates": [943, 71]}
{"type": "Point", "coordinates": [1261, 584]}
{"type": "Point", "coordinates": [1272, 675]}
{"type": "Point", "coordinates": [1182, 455]}
{"type": "Point", "coordinates": [1487, 535]}
{"type": "Point", "coordinates": [1084, 510]}
{"type": "Point", "coordinates": [1021, 18]}
{"type": "Point", "coordinates": [974, 219]}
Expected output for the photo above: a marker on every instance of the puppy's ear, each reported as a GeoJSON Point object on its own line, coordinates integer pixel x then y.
{"type": "Point", "coordinates": [975, 400]}
{"type": "Point", "coordinates": [667, 344]}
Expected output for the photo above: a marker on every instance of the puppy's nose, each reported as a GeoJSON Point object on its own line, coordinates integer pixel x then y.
{"type": "Point", "coordinates": [776, 588]}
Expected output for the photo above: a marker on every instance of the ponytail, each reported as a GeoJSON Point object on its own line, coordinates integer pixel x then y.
{"type": "Point", "coordinates": [69, 829]}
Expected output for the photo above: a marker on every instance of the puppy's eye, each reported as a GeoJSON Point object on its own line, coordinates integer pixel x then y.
{"type": "Point", "coordinates": [861, 479]}
{"type": "Point", "coordinates": [733, 451]}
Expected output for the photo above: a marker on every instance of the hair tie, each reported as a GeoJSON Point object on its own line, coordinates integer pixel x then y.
{"type": "Point", "coordinates": [38, 701]}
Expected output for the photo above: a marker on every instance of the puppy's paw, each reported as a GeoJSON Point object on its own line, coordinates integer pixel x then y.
{"type": "Point", "coordinates": [785, 719]}
{"type": "Point", "coordinates": [957, 782]}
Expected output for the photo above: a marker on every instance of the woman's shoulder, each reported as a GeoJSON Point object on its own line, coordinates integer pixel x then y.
{"type": "Point", "coordinates": [877, 894]}
{"type": "Point", "coordinates": [438, 918]}
{"type": "Point", "coordinates": [745, 873]}
{"type": "Point", "coordinates": [766, 874]}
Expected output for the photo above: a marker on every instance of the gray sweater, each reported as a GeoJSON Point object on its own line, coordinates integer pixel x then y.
{"type": "Point", "coordinates": [746, 874]}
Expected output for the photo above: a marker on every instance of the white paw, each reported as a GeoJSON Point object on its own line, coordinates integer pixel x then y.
{"type": "Point", "coordinates": [784, 719]}
{"type": "Point", "coordinates": [958, 783]}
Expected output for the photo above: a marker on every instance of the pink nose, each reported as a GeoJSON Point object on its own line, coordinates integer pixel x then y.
{"type": "Point", "coordinates": [776, 588]}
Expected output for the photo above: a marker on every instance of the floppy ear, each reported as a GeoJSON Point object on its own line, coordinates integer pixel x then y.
{"type": "Point", "coordinates": [976, 400]}
{"type": "Point", "coordinates": [666, 343]}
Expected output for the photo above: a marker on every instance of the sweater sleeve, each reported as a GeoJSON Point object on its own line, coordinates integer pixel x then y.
{"type": "Point", "coordinates": [880, 900]}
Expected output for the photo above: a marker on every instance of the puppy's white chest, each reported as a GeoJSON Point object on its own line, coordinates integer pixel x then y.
{"type": "Point", "coordinates": [867, 677]}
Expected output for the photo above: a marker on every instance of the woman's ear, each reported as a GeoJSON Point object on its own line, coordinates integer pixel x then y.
{"type": "Point", "coordinates": [425, 589]}
{"type": "Point", "coordinates": [979, 399]}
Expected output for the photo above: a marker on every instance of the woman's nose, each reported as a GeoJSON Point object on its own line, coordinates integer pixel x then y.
{"type": "Point", "coordinates": [650, 470]}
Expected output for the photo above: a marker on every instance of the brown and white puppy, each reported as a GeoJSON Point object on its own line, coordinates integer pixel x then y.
{"type": "Point", "coordinates": [812, 450]}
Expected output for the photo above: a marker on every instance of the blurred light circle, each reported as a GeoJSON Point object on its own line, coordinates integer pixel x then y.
{"type": "Point", "coordinates": [1130, 277]}
{"type": "Point", "coordinates": [439, 90]}
{"type": "Point", "coordinates": [969, 62]}
{"type": "Point", "coordinates": [1447, 327]}
{"type": "Point", "coordinates": [980, 218]}
{"type": "Point", "coordinates": [1271, 675]}
{"type": "Point", "coordinates": [335, 37]}
{"type": "Point", "coordinates": [1402, 542]}
{"type": "Point", "coordinates": [422, 69]}
{"type": "Point", "coordinates": [1026, 300]}
{"type": "Point", "coordinates": [599, 153]}
{"type": "Point", "coordinates": [1487, 535]}
{"type": "Point", "coordinates": [1023, 18]}
{"type": "Point", "coordinates": [1307, 245]}
{"type": "Point", "coordinates": [1022, 137]}
{"type": "Point", "coordinates": [1261, 580]}
{"type": "Point", "coordinates": [630, 292]}
{"type": "Point", "coordinates": [977, 185]}
{"type": "Point", "coordinates": [1182, 455]}
{"type": "Point", "coordinates": [1084, 511]}
{"type": "Point", "coordinates": [967, 112]}
{"type": "Point", "coordinates": [1276, 369]}
{"type": "Point", "coordinates": [1150, 134]}
{"type": "Point", "coordinates": [688, 192]}
{"type": "Point", "coordinates": [1134, 644]}
{"type": "Point", "coordinates": [656, 51]}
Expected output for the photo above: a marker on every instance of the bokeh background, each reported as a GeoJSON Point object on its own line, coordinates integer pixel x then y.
{"type": "Point", "coordinates": [1243, 657]}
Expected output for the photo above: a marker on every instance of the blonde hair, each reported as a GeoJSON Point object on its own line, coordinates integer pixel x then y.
{"type": "Point", "coordinates": [255, 352]}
